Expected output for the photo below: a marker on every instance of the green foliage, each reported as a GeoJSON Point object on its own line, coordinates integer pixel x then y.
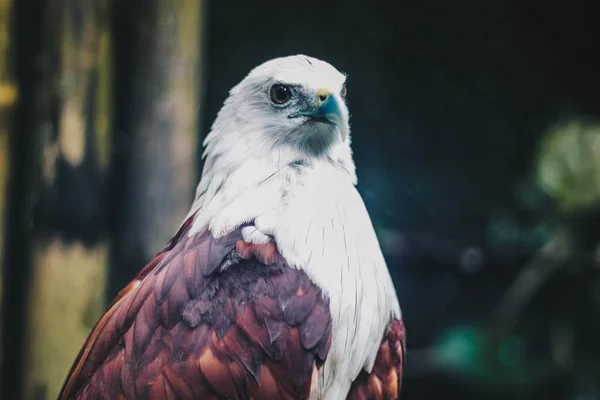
{"type": "Point", "coordinates": [568, 165]}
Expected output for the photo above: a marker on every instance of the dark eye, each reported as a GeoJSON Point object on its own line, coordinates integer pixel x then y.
{"type": "Point", "coordinates": [344, 92]}
{"type": "Point", "coordinates": [280, 94]}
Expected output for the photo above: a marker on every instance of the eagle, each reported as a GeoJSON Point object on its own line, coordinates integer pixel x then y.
{"type": "Point", "coordinates": [275, 285]}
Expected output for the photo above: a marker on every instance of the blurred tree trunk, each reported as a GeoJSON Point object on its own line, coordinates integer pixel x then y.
{"type": "Point", "coordinates": [60, 140]}
{"type": "Point", "coordinates": [8, 96]}
{"type": "Point", "coordinates": [159, 81]}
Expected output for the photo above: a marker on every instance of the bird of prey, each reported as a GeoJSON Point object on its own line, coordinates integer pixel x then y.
{"type": "Point", "coordinates": [275, 286]}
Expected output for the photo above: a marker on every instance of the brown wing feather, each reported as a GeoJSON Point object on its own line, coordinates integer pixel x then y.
{"type": "Point", "coordinates": [384, 381]}
{"type": "Point", "coordinates": [185, 330]}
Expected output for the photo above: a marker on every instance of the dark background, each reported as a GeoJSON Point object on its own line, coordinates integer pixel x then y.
{"type": "Point", "coordinates": [460, 113]}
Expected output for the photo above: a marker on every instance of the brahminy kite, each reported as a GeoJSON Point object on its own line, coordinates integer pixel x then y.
{"type": "Point", "coordinates": [275, 286]}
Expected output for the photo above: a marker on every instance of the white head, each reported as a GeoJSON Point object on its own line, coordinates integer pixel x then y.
{"type": "Point", "coordinates": [288, 111]}
{"type": "Point", "coordinates": [295, 104]}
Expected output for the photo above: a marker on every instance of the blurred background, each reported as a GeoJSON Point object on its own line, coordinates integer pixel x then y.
{"type": "Point", "coordinates": [476, 134]}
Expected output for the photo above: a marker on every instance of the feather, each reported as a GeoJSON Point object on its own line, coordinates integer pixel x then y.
{"type": "Point", "coordinates": [385, 381]}
{"type": "Point", "coordinates": [161, 339]}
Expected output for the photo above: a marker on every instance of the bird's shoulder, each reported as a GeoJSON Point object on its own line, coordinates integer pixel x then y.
{"type": "Point", "coordinates": [185, 328]}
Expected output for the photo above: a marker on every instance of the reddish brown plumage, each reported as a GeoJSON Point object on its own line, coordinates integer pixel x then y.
{"type": "Point", "coordinates": [384, 381]}
{"type": "Point", "coordinates": [202, 321]}
{"type": "Point", "coordinates": [185, 330]}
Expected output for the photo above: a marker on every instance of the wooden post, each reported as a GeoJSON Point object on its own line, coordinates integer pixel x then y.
{"type": "Point", "coordinates": [58, 254]}
{"type": "Point", "coordinates": [159, 75]}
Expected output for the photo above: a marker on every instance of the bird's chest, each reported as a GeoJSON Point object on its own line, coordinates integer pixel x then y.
{"type": "Point", "coordinates": [320, 235]}
{"type": "Point", "coordinates": [320, 225]}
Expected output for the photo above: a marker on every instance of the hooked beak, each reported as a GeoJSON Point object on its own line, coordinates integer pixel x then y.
{"type": "Point", "coordinates": [331, 110]}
